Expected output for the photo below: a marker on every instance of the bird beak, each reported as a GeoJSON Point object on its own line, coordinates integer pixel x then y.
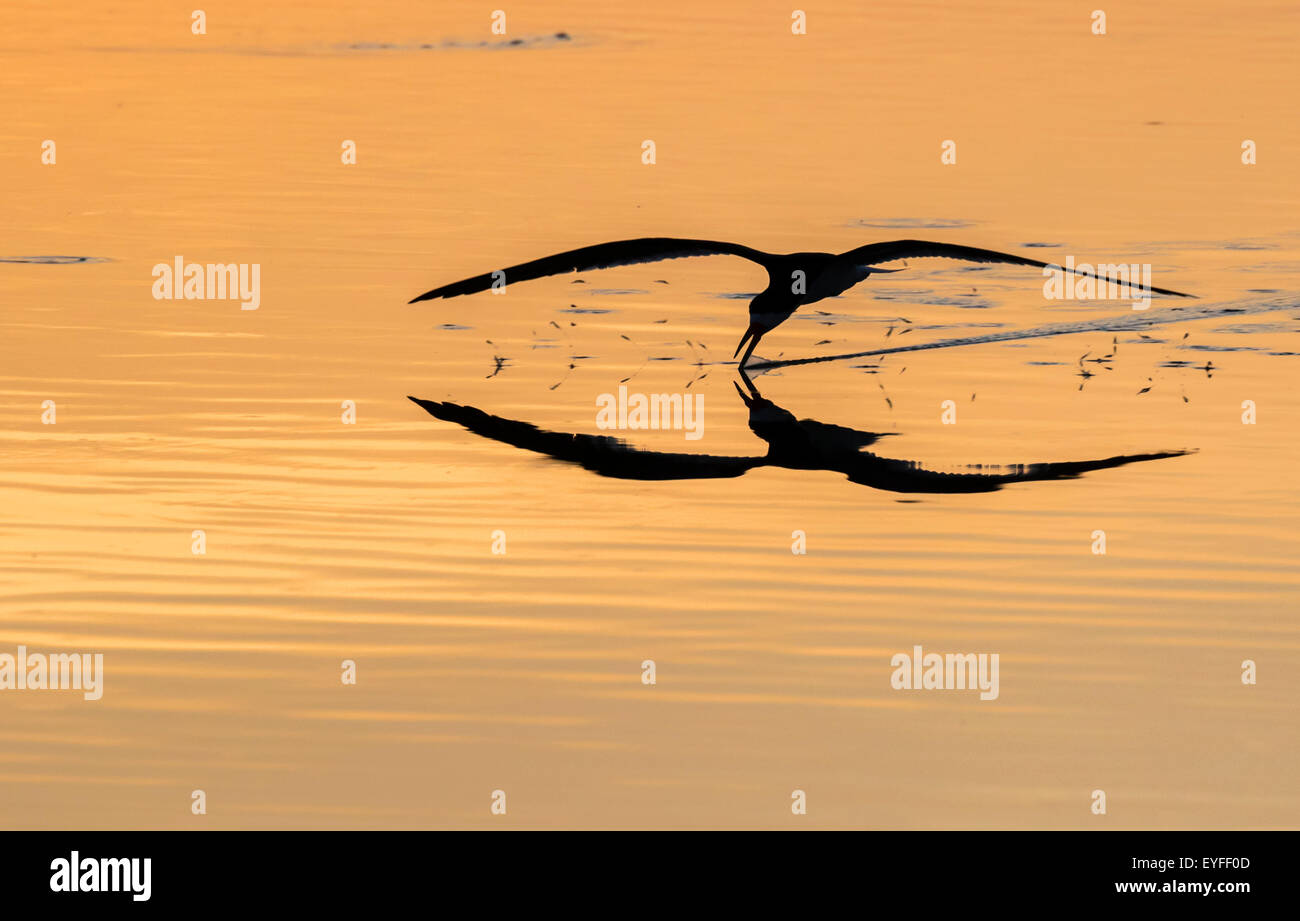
{"type": "Point", "coordinates": [749, 334]}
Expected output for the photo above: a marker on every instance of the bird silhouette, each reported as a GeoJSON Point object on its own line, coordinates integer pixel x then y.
{"type": "Point", "coordinates": [793, 444]}
{"type": "Point", "coordinates": [794, 279]}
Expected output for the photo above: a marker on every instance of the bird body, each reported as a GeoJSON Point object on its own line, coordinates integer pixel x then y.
{"type": "Point", "coordinates": [794, 280]}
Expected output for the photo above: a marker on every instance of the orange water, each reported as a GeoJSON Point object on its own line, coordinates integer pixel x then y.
{"type": "Point", "coordinates": [522, 672]}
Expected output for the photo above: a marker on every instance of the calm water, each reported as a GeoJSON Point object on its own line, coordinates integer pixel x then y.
{"type": "Point", "coordinates": [522, 671]}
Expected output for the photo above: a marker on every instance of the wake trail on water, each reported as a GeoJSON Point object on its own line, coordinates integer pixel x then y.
{"type": "Point", "coordinates": [1138, 320]}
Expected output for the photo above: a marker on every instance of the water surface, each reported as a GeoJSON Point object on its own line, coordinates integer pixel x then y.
{"type": "Point", "coordinates": [522, 672]}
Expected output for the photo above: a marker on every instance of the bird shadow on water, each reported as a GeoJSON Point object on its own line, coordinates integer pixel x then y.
{"type": "Point", "coordinates": [792, 444]}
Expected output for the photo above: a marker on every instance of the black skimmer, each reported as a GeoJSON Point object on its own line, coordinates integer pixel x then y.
{"type": "Point", "coordinates": [794, 280]}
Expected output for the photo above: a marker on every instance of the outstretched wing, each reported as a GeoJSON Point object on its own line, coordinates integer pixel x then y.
{"type": "Point", "coordinates": [600, 256]}
{"type": "Point", "coordinates": [874, 253]}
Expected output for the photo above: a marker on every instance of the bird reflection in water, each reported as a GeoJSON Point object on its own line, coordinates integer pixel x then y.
{"type": "Point", "coordinates": [792, 444]}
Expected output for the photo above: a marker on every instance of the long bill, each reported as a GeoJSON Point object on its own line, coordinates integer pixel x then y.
{"type": "Point", "coordinates": [754, 330]}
